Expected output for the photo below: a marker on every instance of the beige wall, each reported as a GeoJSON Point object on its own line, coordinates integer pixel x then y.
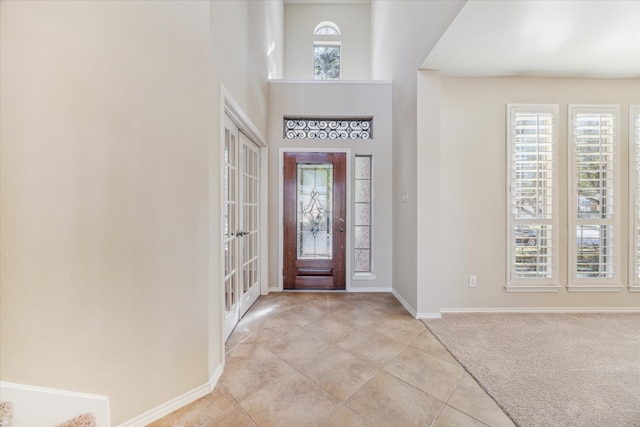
{"type": "Point", "coordinates": [355, 34]}
{"type": "Point", "coordinates": [109, 187]}
{"type": "Point", "coordinates": [323, 99]}
{"type": "Point", "coordinates": [472, 177]}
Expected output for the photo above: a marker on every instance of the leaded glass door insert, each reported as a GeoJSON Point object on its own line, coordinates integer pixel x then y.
{"type": "Point", "coordinates": [314, 220]}
{"type": "Point", "coordinates": [314, 201]}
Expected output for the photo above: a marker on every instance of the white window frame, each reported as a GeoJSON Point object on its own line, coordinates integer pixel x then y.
{"type": "Point", "coordinates": [612, 283]}
{"type": "Point", "coordinates": [326, 41]}
{"type": "Point", "coordinates": [326, 24]}
{"type": "Point", "coordinates": [634, 198]}
{"type": "Point", "coordinates": [328, 44]}
{"type": "Point", "coordinates": [542, 284]}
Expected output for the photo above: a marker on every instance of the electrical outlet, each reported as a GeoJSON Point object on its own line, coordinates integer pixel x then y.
{"type": "Point", "coordinates": [473, 281]}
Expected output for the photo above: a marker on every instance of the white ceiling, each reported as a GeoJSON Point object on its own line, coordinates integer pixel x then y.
{"type": "Point", "coordinates": [560, 38]}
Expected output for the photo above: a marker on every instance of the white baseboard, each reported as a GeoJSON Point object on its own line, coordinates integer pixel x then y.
{"type": "Point", "coordinates": [42, 406]}
{"type": "Point", "coordinates": [404, 303]}
{"type": "Point", "coordinates": [215, 377]}
{"type": "Point", "coordinates": [429, 316]}
{"type": "Point", "coordinates": [543, 310]}
{"type": "Point", "coordinates": [355, 289]}
{"type": "Point", "coordinates": [176, 403]}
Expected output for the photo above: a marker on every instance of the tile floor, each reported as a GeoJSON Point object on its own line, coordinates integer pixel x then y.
{"type": "Point", "coordinates": [338, 359]}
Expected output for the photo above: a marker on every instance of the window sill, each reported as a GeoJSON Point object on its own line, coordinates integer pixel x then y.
{"type": "Point", "coordinates": [363, 276]}
{"type": "Point", "coordinates": [532, 288]}
{"type": "Point", "coordinates": [594, 288]}
{"type": "Point", "coordinates": [634, 288]}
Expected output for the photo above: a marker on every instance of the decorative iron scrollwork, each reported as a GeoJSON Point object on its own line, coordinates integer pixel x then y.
{"type": "Point", "coordinates": [313, 128]}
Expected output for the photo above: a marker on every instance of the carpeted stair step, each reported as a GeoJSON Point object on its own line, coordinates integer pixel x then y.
{"type": "Point", "coordinates": [6, 414]}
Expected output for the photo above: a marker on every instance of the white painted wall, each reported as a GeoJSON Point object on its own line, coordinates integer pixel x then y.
{"type": "Point", "coordinates": [396, 55]}
{"type": "Point", "coordinates": [337, 99]}
{"type": "Point", "coordinates": [428, 194]}
{"type": "Point", "coordinates": [246, 50]}
{"type": "Point", "coordinates": [354, 22]}
{"type": "Point", "coordinates": [109, 189]}
{"type": "Point", "coordinates": [472, 173]}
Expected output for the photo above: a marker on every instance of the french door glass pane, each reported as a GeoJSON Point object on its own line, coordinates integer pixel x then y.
{"type": "Point", "coordinates": [314, 210]}
{"type": "Point", "coordinates": [249, 217]}
{"type": "Point", "coordinates": [230, 220]}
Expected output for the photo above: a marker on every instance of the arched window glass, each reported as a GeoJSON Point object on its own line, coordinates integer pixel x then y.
{"type": "Point", "coordinates": [326, 52]}
{"type": "Point", "coordinates": [326, 28]}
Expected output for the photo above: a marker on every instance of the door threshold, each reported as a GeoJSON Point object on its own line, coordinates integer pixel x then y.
{"type": "Point", "coordinates": [331, 291]}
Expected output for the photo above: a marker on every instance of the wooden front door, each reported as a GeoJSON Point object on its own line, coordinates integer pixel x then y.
{"type": "Point", "coordinates": [314, 220]}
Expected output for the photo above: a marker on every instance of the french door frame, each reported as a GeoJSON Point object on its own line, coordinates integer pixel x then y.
{"type": "Point", "coordinates": [230, 109]}
{"type": "Point", "coordinates": [349, 228]}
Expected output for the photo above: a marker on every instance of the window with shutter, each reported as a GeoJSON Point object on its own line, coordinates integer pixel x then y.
{"type": "Point", "coordinates": [594, 216]}
{"type": "Point", "coordinates": [532, 184]}
{"type": "Point", "coordinates": [634, 192]}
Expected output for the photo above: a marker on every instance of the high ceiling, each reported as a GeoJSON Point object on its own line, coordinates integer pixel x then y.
{"type": "Point", "coordinates": [583, 38]}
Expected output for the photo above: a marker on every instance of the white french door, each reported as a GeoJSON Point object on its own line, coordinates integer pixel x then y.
{"type": "Point", "coordinates": [241, 210]}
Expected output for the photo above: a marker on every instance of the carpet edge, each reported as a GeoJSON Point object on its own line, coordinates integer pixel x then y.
{"type": "Point", "coordinates": [483, 387]}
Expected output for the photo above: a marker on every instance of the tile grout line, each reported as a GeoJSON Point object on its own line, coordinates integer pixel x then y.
{"type": "Point", "coordinates": [344, 401]}
{"type": "Point", "coordinates": [335, 311]}
{"type": "Point", "coordinates": [239, 405]}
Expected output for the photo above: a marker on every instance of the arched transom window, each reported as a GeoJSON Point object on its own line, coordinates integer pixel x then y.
{"type": "Point", "coordinates": [327, 28]}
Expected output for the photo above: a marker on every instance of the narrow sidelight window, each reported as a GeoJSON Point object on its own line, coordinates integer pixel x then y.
{"type": "Point", "coordinates": [362, 229]}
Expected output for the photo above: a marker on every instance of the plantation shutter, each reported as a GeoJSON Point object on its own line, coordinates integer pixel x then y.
{"type": "Point", "coordinates": [595, 197]}
{"type": "Point", "coordinates": [634, 174]}
{"type": "Point", "coordinates": [532, 194]}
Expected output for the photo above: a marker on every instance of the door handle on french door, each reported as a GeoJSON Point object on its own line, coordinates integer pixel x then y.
{"type": "Point", "coordinates": [242, 233]}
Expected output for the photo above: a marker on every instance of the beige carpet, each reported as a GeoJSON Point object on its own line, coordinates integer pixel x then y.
{"type": "Point", "coordinates": [551, 369]}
